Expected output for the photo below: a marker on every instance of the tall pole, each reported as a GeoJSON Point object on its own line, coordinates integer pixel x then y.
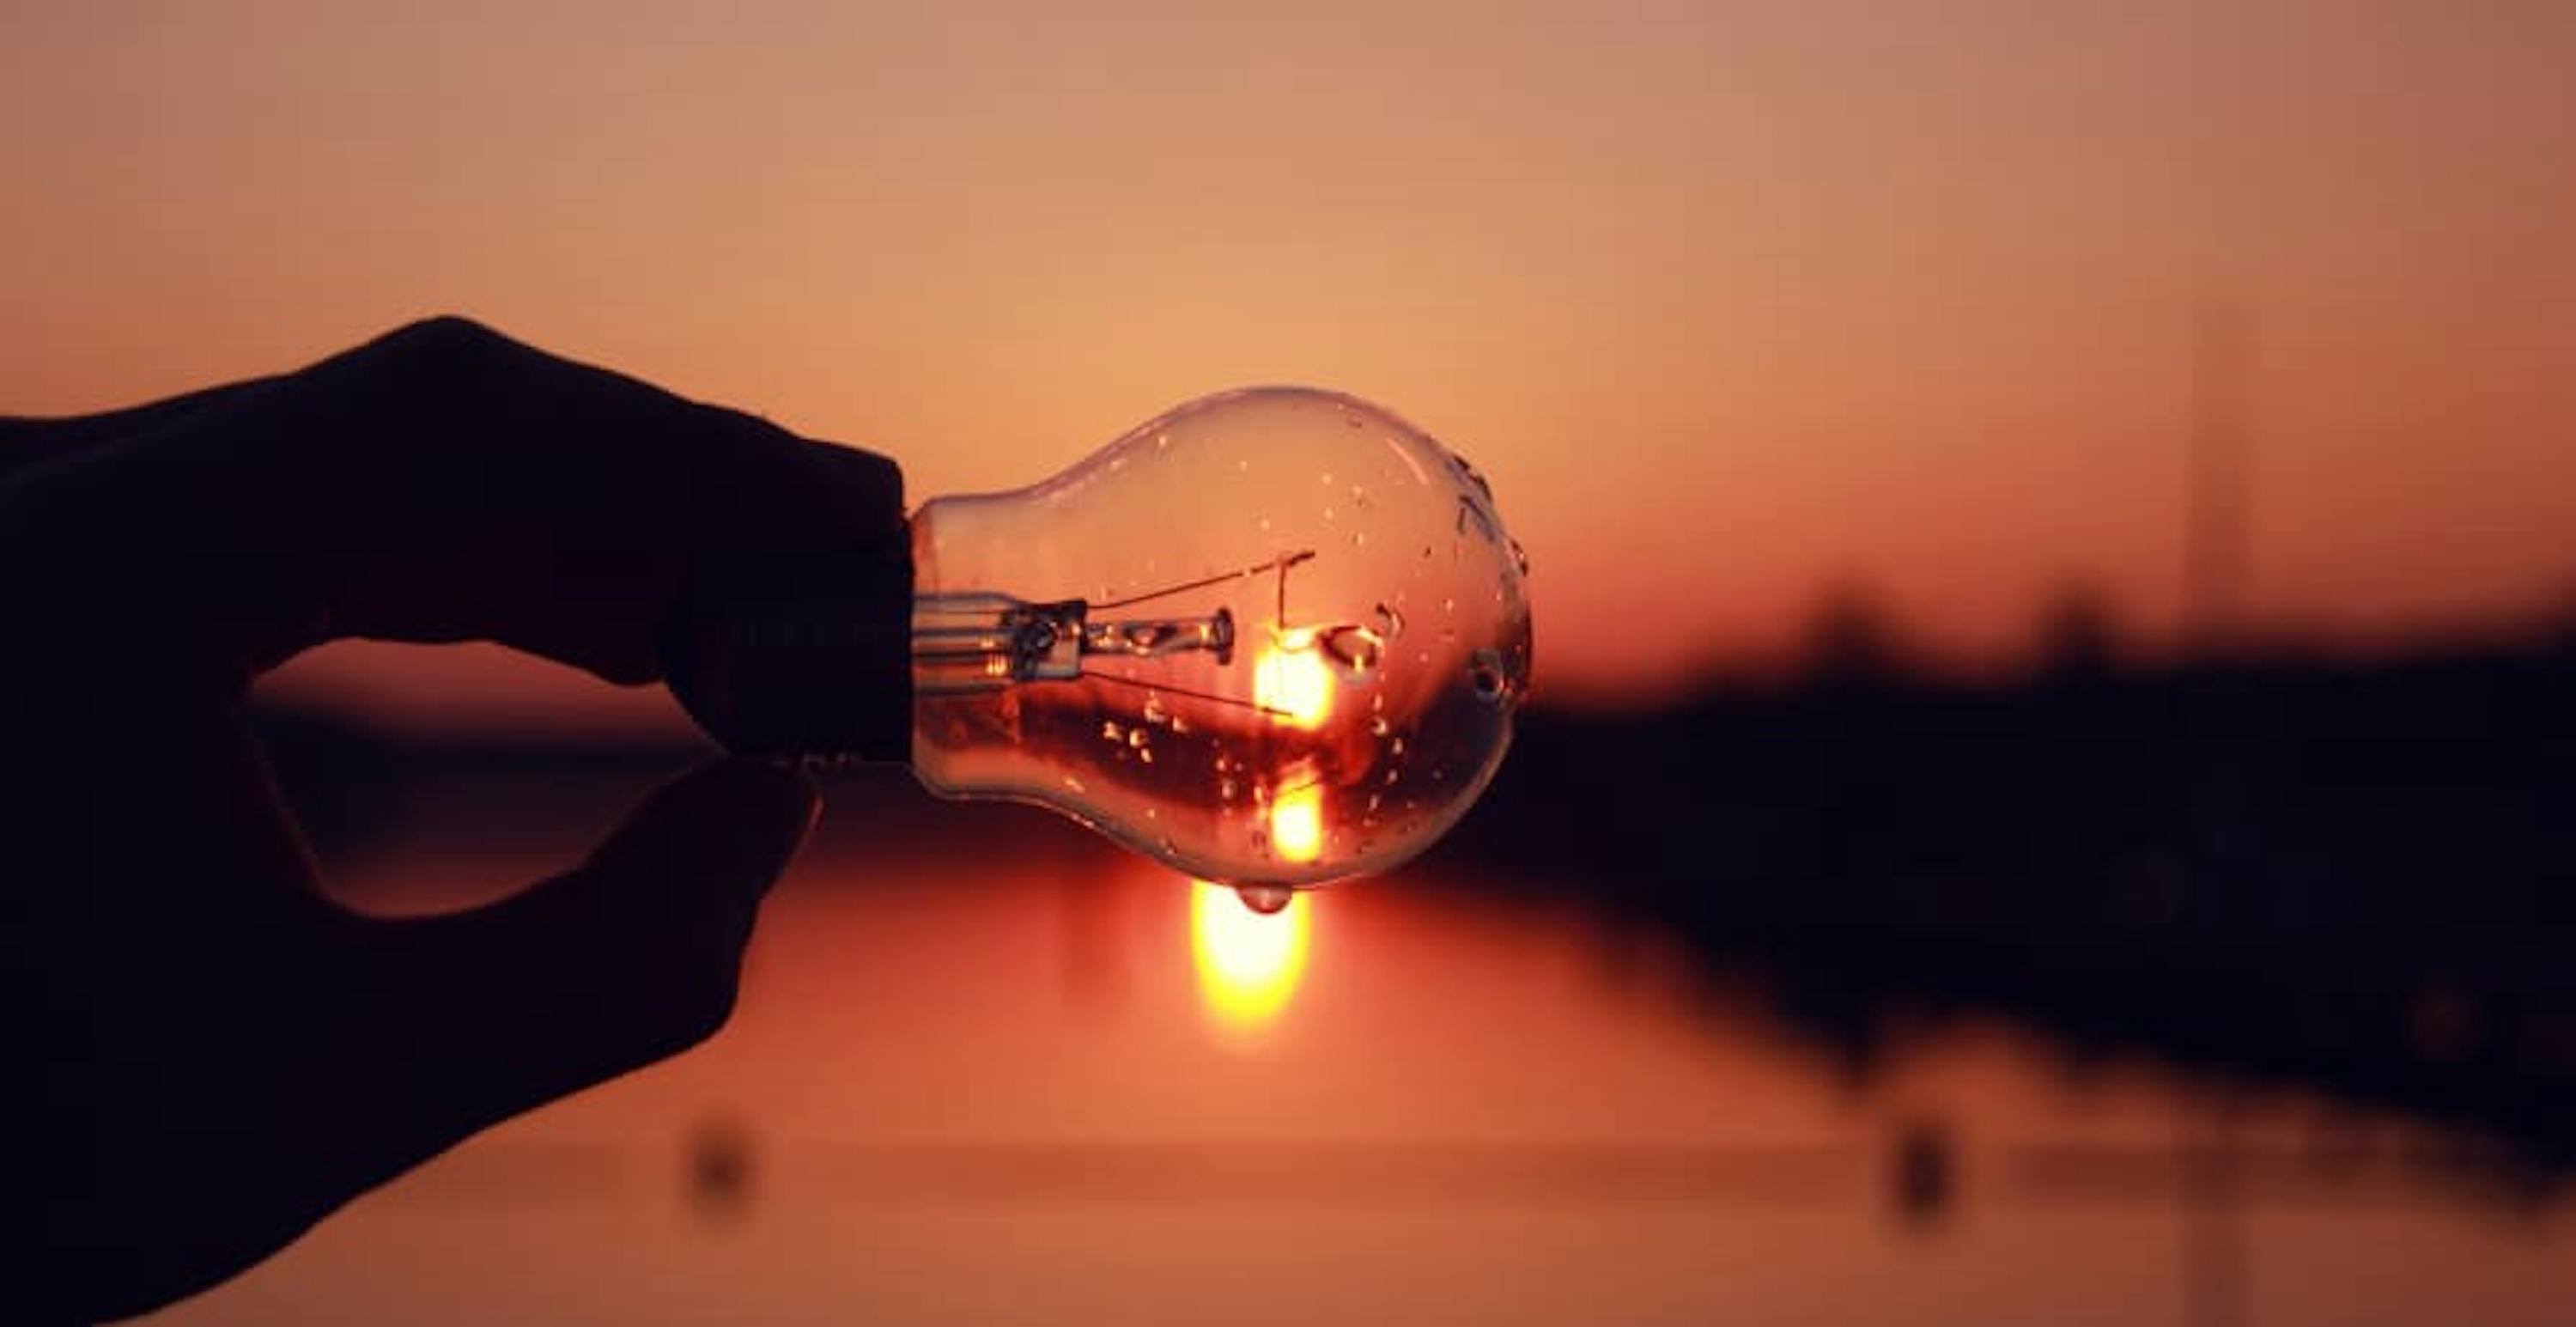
{"type": "Point", "coordinates": [2220, 497]}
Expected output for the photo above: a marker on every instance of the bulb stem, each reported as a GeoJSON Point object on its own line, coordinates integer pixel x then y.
{"type": "Point", "coordinates": [978, 641]}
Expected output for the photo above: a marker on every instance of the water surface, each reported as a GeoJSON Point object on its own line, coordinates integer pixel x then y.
{"type": "Point", "coordinates": [985, 1070]}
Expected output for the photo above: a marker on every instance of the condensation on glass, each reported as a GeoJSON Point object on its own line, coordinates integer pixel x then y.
{"type": "Point", "coordinates": [1274, 637]}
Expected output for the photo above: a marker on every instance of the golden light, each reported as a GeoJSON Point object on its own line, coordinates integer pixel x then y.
{"type": "Point", "coordinates": [1297, 823]}
{"type": "Point", "coordinates": [1249, 964]}
{"type": "Point", "coordinates": [1292, 681]}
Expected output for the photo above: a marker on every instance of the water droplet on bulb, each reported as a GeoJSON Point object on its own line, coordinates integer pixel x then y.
{"type": "Point", "coordinates": [1136, 738]}
{"type": "Point", "coordinates": [1154, 711]}
{"type": "Point", "coordinates": [1468, 469]}
{"type": "Point", "coordinates": [1357, 649]}
{"type": "Point", "coordinates": [1471, 514]}
{"type": "Point", "coordinates": [1265, 899]}
{"type": "Point", "coordinates": [1485, 674]}
{"type": "Point", "coordinates": [1520, 557]}
{"type": "Point", "coordinates": [1390, 623]}
{"type": "Point", "coordinates": [1378, 726]}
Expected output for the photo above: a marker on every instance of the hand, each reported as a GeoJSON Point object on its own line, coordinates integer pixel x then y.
{"type": "Point", "coordinates": [221, 1056]}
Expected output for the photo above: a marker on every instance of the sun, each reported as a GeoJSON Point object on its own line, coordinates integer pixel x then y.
{"type": "Point", "coordinates": [1293, 682]}
{"type": "Point", "coordinates": [1248, 964]}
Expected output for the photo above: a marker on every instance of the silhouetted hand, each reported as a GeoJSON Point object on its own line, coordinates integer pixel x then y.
{"type": "Point", "coordinates": [219, 1057]}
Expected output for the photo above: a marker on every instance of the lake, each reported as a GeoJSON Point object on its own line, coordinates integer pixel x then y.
{"type": "Point", "coordinates": [986, 1069]}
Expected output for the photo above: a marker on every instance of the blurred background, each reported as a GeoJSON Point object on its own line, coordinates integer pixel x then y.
{"type": "Point", "coordinates": [2054, 541]}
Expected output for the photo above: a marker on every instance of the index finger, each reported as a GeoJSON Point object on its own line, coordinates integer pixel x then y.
{"type": "Point", "coordinates": [443, 483]}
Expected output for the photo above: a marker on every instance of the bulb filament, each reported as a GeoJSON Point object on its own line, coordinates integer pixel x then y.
{"type": "Point", "coordinates": [980, 641]}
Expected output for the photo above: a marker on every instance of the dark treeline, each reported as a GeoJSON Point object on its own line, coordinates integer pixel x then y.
{"type": "Point", "coordinates": [2358, 878]}
{"type": "Point", "coordinates": [2355, 877]}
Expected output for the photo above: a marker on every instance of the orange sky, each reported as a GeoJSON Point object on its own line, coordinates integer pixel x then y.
{"type": "Point", "coordinates": [1731, 302]}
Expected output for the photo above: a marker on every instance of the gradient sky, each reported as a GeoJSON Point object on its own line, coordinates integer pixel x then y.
{"type": "Point", "coordinates": [1732, 302]}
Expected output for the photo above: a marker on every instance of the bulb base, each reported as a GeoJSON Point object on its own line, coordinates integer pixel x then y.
{"type": "Point", "coordinates": [812, 662]}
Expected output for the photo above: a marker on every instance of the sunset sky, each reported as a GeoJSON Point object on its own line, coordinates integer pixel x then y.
{"type": "Point", "coordinates": [1732, 302]}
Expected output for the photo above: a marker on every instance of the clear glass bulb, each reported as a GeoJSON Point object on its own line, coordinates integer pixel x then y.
{"type": "Point", "coordinates": [1273, 637]}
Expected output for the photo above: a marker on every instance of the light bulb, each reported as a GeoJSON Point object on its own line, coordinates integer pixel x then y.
{"type": "Point", "coordinates": [1272, 638]}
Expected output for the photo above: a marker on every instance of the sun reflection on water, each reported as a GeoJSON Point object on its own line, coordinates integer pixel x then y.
{"type": "Point", "coordinates": [1248, 964]}
{"type": "Point", "coordinates": [1297, 822]}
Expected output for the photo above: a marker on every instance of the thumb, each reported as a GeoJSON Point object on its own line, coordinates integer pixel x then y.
{"type": "Point", "coordinates": [630, 958]}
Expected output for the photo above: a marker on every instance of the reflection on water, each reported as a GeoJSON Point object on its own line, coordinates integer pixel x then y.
{"type": "Point", "coordinates": [1250, 955]}
{"type": "Point", "coordinates": [1026, 1093]}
